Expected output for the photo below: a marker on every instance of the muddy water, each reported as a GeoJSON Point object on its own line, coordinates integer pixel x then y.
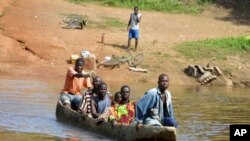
{"type": "Point", "coordinates": [27, 112]}
{"type": "Point", "coordinates": [28, 106]}
{"type": "Point", "coordinates": [206, 113]}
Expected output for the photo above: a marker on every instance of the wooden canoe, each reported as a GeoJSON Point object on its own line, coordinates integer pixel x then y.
{"type": "Point", "coordinates": [118, 131]}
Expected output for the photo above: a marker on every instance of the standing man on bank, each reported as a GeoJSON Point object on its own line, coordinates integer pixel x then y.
{"type": "Point", "coordinates": [133, 27]}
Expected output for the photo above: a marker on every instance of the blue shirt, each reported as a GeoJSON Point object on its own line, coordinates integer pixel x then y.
{"type": "Point", "coordinates": [152, 100]}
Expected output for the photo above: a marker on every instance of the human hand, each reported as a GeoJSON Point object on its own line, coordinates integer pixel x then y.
{"type": "Point", "coordinates": [89, 90]}
{"type": "Point", "coordinates": [78, 75]}
{"type": "Point", "coordinates": [138, 125]}
{"type": "Point", "coordinates": [113, 123]}
{"type": "Point", "coordinates": [138, 19]}
{"type": "Point", "coordinates": [92, 74]}
{"type": "Point", "coordinates": [100, 121]}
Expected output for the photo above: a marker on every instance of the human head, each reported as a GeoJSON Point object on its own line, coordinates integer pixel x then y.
{"type": "Point", "coordinates": [96, 81]}
{"type": "Point", "coordinates": [136, 9]}
{"type": "Point", "coordinates": [118, 97]}
{"type": "Point", "coordinates": [163, 82]}
{"type": "Point", "coordinates": [79, 65]}
{"type": "Point", "coordinates": [102, 89]}
{"type": "Point", "coordinates": [125, 92]}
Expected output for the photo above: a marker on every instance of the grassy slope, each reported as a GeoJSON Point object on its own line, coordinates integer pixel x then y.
{"type": "Point", "coordinates": [169, 6]}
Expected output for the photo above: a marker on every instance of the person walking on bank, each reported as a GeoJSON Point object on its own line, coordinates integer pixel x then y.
{"type": "Point", "coordinates": [155, 107]}
{"type": "Point", "coordinates": [133, 27]}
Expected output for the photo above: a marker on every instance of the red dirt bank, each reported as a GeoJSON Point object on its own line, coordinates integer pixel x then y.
{"type": "Point", "coordinates": [33, 44]}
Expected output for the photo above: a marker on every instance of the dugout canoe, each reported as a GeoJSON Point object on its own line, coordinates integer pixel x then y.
{"type": "Point", "coordinates": [119, 132]}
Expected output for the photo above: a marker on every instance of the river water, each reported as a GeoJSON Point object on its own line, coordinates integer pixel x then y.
{"type": "Point", "coordinates": [27, 112]}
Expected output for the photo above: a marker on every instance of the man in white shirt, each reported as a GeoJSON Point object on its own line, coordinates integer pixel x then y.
{"type": "Point", "coordinates": [133, 27]}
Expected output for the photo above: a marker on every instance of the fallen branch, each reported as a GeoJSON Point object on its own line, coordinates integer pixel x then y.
{"type": "Point", "coordinates": [138, 69]}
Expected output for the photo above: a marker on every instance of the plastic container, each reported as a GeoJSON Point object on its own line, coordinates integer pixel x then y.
{"type": "Point", "coordinates": [107, 58]}
{"type": "Point", "coordinates": [85, 53]}
{"type": "Point", "coordinates": [73, 58]}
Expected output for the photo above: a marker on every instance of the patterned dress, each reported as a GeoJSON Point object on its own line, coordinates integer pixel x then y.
{"type": "Point", "coordinates": [122, 113]}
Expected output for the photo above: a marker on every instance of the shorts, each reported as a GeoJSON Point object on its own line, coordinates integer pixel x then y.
{"type": "Point", "coordinates": [71, 99]}
{"type": "Point", "coordinates": [133, 33]}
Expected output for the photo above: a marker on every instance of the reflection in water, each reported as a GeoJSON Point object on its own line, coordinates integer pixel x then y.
{"type": "Point", "coordinates": [203, 113]}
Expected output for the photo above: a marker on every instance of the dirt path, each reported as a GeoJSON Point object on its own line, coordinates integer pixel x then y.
{"type": "Point", "coordinates": [33, 44]}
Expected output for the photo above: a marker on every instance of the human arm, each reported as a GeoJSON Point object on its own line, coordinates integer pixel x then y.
{"type": "Point", "coordinates": [138, 122]}
{"type": "Point", "coordinates": [81, 106]}
{"type": "Point", "coordinates": [87, 83]}
{"type": "Point", "coordinates": [93, 109]}
{"type": "Point", "coordinates": [73, 73]}
{"type": "Point", "coordinates": [78, 75]}
{"type": "Point", "coordinates": [102, 117]}
{"type": "Point", "coordinates": [170, 105]}
{"type": "Point", "coordinates": [111, 97]}
{"type": "Point", "coordinates": [86, 74]}
{"type": "Point", "coordinates": [144, 105]}
{"type": "Point", "coordinates": [138, 18]}
{"type": "Point", "coordinates": [129, 22]}
{"type": "Point", "coordinates": [171, 111]}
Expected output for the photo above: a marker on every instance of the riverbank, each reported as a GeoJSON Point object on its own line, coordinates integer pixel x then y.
{"type": "Point", "coordinates": [33, 44]}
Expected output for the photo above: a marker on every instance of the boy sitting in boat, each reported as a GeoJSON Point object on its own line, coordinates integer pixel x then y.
{"type": "Point", "coordinates": [100, 102]}
{"type": "Point", "coordinates": [106, 115]}
{"type": "Point", "coordinates": [76, 80]}
{"type": "Point", "coordinates": [85, 106]}
{"type": "Point", "coordinates": [155, 107]}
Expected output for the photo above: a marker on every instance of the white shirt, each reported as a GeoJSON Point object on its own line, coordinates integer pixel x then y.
{"type": "Point", "coordinates": [134, 24]}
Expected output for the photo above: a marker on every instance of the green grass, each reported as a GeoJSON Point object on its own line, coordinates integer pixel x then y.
{"type": "Point", "coordinates": [161, 54]}
{"type": "Point", "coordinates": [170, 6]}
{"type": "Point", "coordinates": [215, 48]}
{"type": "Point", "coordinates": [113, 22]}
{"type": "Point", "coordinates": [107, 22]}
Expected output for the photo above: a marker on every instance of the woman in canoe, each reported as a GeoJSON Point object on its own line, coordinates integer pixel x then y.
{"type": "Point", "coordinates": [122, 112]}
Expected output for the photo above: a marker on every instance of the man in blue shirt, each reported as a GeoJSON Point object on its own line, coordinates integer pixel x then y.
{"type": "Point", "coordinates": [155, 107]}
